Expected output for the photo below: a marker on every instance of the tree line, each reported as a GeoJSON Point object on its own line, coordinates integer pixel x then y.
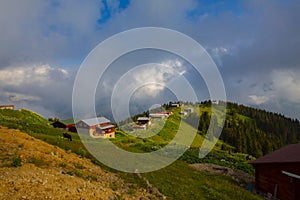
{"type": "Point", "coordinates": [250, 130]}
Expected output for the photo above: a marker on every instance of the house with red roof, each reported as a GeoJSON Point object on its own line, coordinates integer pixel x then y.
{"type": "Point", "coordinates": [278, 174]}
{"type": "Point", "coordinates": [99, 127]}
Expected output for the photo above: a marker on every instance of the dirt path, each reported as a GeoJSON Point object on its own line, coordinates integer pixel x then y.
{"type": "Point", "coordinates": [239, 176]}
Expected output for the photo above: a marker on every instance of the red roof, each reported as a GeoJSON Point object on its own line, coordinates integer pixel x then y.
{"type": "Point", "coordinates": [287, 154]}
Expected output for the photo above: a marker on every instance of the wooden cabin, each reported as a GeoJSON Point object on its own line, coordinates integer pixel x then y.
{"type": "Point", "coordinates": [278, 174]}
{"type": "Point", "coordinates": [8, 107]}
{"type": "Point", "coordinates": [59, 124]}
{"type": "Point", "coordinates": [166, 113]}
{"type": "Point", "coordinates": [183, 113]}
{"type": "Point", "coordinates": [175, 105]}
{"type": "Point", "coordinates": [144, 121]}
{"type": "Point", "coordinates": [99, 127]}
{"type": "Point", "coordinates": [68, 124]}
{"type": "Point", "coordinates": [215, 102]}
{"type": "Point", "coordinates": [137, 127]}
{"type": "Point", "coordinates": [107, 131]}
{"type": "Point", "coordinates": [158, 115]}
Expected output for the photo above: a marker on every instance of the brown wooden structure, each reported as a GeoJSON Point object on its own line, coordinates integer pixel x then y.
{"type": "Point", "coordinates": [99, 127]}
{"type": "Point", "coordinates": [9, 107]}
{"type": "Point", "coordinates": [278, 173]}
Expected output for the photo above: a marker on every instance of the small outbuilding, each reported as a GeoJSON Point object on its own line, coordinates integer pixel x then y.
{"type": "Point", "coordinates": [189, 110]}
{"type": "Point", "coordinates": [278, 174]}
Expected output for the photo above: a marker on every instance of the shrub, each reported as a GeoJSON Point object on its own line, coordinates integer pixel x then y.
{"type": "Point", "coordinates": [16, 161]}
{"type": "Point", "coordinates": [78, 166]}
{"type": "Point", "coordinates": [62, 164]}
{"type": "Point", "coordinates": [37, 162]}
{"type": "Point", "coordinates": [82, 152]}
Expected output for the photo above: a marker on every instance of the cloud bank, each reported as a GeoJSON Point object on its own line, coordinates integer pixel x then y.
{"type": "Point", "coordinates": [255, 44]}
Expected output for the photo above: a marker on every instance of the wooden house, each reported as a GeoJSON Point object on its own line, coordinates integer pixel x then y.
{"type": "Point", "coordinates": [137, 127]}
{"type": "Point", "coordinates": [99, 127]}
{"type": "Point", "coordinates": [215, 102]}
{"type": "Point", "coordinates": [106, 131]}
{"type": "Point", "coordinates": [70, 124]}
{"type": "Point", "coordinates": [59, 124]}
{"type": "Point", "coordinates": [67, 124]}
{"type": "Point", "coordinates": [183, 113]}
{"type": "Point", "coordinates": [9, 107]}
{"type": "Point", "coordinates": [166, 113]}
{"type": "Point", "coordinates": [278, 174]}
{"type": "Point", "coordinates": [157, 115]}
{"type": "Point", "coordinates": [144, 121]}
{"type": "Point", "coordinates": [175, 105]}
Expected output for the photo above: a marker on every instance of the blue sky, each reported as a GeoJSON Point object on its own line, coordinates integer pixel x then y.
{"type": "Point", "coordinates": [255, 45]}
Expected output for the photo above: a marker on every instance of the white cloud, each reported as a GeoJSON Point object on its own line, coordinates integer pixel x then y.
{"type": "Point", "coordinates": [43, 87]}
{"type": "Point", "coordinates": [144, 83]}
{"type": "Point", "coordinates": [65, 31]}
{"type": "Point", "coordinates": [217, 54]}
{"type": "Point", "coordinates": [258, 100]}
{"type": "Point", "coordinates": [286, 85]}
{"type": "Point", "coordinates": [149, 79]}
{"type": "Point", "coordinates": [17, 97]}
{"type": "Point", "coordinates": [35, 74]}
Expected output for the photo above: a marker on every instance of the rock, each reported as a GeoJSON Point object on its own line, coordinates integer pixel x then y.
{"type": "Point", "coordinates": [16, 188]}
{"type": "Point", "coordinates": [153, 190]}
{"type": "Point", "coordinates": [111, 198]}
{"type": "Point", "coordinates": [161, 197]}
{"type": "Point", "coordinates": [101, 188]}
{"type": "Point", "coordinates": [143, 198]}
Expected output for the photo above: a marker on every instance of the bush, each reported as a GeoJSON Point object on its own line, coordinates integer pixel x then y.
{"type": "Point", "coordinates": [62, 164]}
{"type": "Point", "coordinates": [16, 162]}
{"type": "Point", "coordinates": [82, 152]}
{"type": "Point", "coordinates": [37, 162]}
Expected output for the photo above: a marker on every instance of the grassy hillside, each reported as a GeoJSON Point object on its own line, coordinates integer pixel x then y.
{"type": "Point", "coordinates": [179, 181]}
{"type": "Point", "coordinates": [13, 117]}
{"type": "Point", "coordinates": [175, 181]}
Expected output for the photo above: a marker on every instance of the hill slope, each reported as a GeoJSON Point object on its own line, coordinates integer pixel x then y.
{"type": "Point", "coordinates": [177, 181]}
{"type": "Point", "coordinates": [33, 169]}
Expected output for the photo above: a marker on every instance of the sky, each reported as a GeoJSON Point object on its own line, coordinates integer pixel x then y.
{"type": "Point", "coordinates": [255, 45]}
